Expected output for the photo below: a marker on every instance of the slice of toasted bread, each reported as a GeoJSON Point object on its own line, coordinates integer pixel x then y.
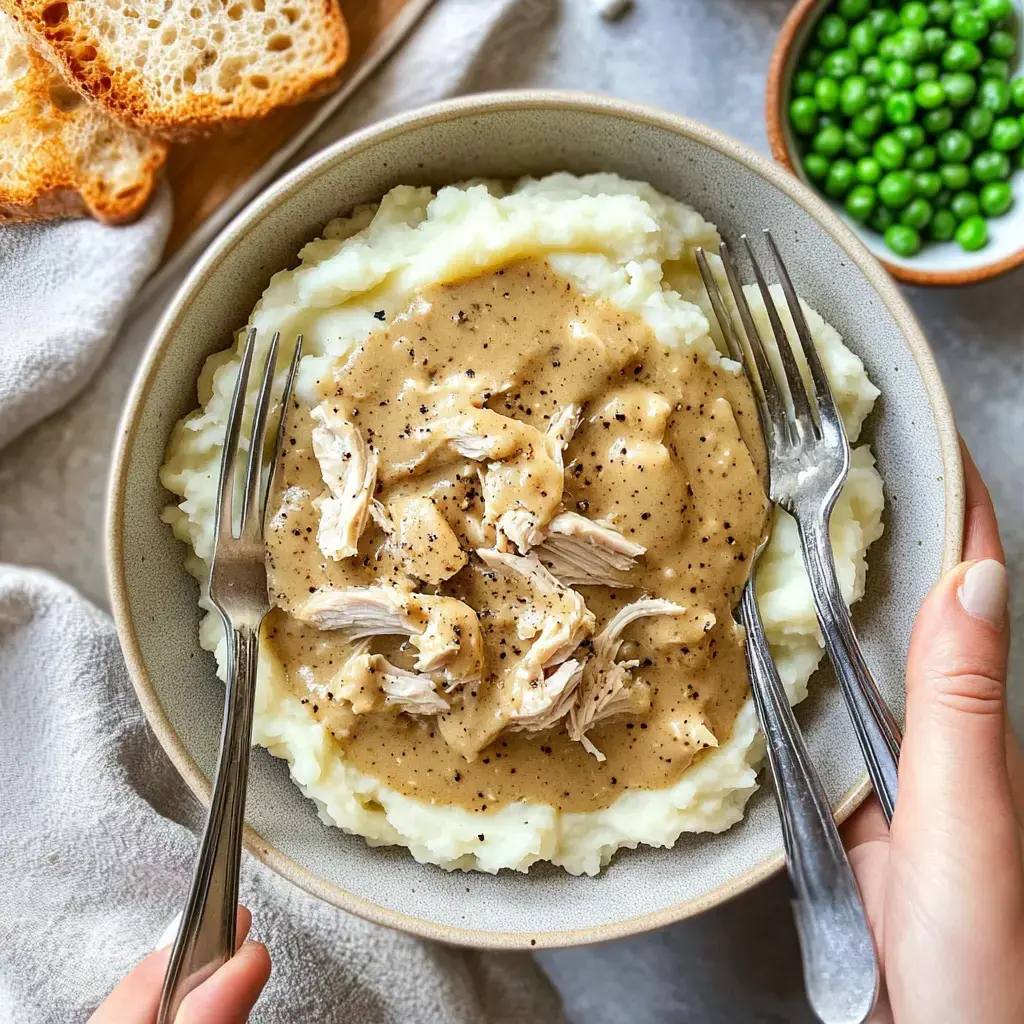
{"type": "Point", "coordinates": [59, 155]}
{"type": "Point", "coordinates": [179, 67]}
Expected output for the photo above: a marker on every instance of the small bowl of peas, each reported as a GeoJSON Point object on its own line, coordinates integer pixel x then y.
{"type": "Point", "coordinates": [908, 117]}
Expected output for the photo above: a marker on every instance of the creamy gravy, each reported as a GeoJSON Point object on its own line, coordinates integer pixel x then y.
{"type": "Point", "coordinates": [668, 453]}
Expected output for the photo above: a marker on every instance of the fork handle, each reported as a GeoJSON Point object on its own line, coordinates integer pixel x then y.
{"type": "Point", "coordinates": [877, 730]}
{"type": "Point", "coordinates": [206, 935]}
{"type": "Point", "coordinates": [840, 966]}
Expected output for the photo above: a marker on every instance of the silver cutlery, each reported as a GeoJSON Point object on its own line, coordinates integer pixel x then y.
{"type": "Point", "coordinates": [238, 589]}
{"type": "Point", "coordinates": [840, 966]}
{"type": "Point", "coordinates": [810, 459]}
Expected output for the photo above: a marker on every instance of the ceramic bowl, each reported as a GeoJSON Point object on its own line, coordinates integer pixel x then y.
{"type": "Point", "coordinates": [511, 134]}
{"type": "Point", "coordinates": [937, 264]}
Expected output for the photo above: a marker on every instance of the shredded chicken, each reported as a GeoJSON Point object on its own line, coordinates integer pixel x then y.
{"type": "Point", "coordinates": [425, 541]}
{"type": "Point", "coordinates": [349, 469]}
{"type": "Point", "coordinates": [369, 682]}
{"type": "Point", "coordinates": [558, 622]}
{"type": "Point", "coordinates": [584, 552]}
{"type": "Point", "coordinates": [607, 688]}
{"type": "Point", "coordinates": [445, 631]}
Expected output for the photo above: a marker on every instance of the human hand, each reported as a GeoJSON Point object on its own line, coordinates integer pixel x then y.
{"type": "Point", "coordinates": [944, 890]}
{"type": "Point", "coordinates": [226, 997]}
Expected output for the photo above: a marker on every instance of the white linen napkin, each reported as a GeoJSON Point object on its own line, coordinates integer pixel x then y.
{"type": "Point", "coordinates": [98, 831]}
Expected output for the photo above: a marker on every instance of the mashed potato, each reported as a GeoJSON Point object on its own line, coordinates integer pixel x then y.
{"type": "Point", "coordinates": [612, 239]}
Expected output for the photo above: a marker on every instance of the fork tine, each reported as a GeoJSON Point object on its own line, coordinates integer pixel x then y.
{"type": "Point", "coordinates": [828, 414]}
{"type": "Point", "coordinates": [797, 392]}
{"type": "Point", "coordinates": [286, 397]}
{"type": "Point", "coordinates": [765, 382]}
{"type": "Point", "coordinates": [721, 314]}
{"type": "Point", "coordinates": [251, 519]}
{"type": "Point", "coordinates": [225, 487]}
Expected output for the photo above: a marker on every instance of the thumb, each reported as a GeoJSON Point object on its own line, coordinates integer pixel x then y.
{"type": "Point", "coordinates": [953, 763]}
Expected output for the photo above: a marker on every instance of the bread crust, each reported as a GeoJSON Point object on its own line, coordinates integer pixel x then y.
{"type": "Point", "coordinates": [54, 176]}
{"type": "Point", "coordinates": [122, 91]}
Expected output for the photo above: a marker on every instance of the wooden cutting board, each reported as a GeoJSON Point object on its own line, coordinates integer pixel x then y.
{"type": "Point", "coordinates": [203, 173]}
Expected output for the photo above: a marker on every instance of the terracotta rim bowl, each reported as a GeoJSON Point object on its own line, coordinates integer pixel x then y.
{"type": "Point", "coordinates": [149, 411]}
{"type": "Point", "coordinates": [790, 43]}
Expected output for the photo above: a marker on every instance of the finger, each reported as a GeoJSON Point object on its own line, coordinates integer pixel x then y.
{"type": "Point", "coordinates": [865, 825]}
{"type": "Point", "coordinates": [136, 997]}
{"type": "Point", "coordinates": [954, 758]}
{"type": "Point", "coordinates": [229, 996]}
{"type": "Point", "coordinates": [981, 532]}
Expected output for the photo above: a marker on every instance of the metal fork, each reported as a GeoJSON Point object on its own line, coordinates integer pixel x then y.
{"type": "Point", "coordinates": [840, 966]}
{"type": "Point", "coordinates": [238, 589]}
{"type": "Point", "coordinates": [810, 460]}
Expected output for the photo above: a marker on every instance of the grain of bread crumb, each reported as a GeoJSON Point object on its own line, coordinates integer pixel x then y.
{"type": "Point", "coordinates": [181, 67]}
{"type": "Point", "coordinates": [59, 155]}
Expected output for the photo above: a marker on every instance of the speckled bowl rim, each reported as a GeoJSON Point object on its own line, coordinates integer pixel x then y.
{"type": "Point", "coordinates": [465, 107]}
{"type": "Point", "coordinates": [775, 90]}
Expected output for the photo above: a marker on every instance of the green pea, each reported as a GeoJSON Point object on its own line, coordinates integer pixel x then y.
{"type": "Point", "coordinates": [881, 219]}
{"type": "Point", "coordinates": [1006, 134]}
{"type": "Point", "coordinates": [968, 24]}
{"type": "Point", "coordinates": [928, 184]}
{"type": "Point", "coordinates": [868, 123]}
{"type": "Point", "coordinates": [908, 44]}
{"type": "Point", "coordinates": [965, 4]}
{"type": "Point", "coordinates": [851, 10]}
{"type": "Point", "coordinates": [1017, 93]}
{"type": "Point", "coordinates": [884, 21]}
{"type": "Point", "coordinates": [955, 146]}
{"type": "Point", "coordinates": [995, 67]}
{"type": "Point", "coordinates": [935, 40]}
{"type": "Point", "coordinates": [922, 159]}
{"type": "Point", "coordinates": [914, 15]}
{"type": "Point", "coordinates": [960, 87]}
{"type": "Point", "coordinates": [901, 107]}
{"type": "Point", "coordinates": [927, 72]}
{"type": "Point", "coordinates": [813, 57]}
{"type": "Point", "coordinates": [996, 198]}
{"type": "Point", "coordinates": [855, 146]}
{"type": "Point", "coordinates": [872, 69]}
{"type": "Point", "coordinates": [869, 170]}
{"type": "Point", "coordinates": [911, 135]}
{"type": "Point", "coordinates": [937, 121]}
{"type": "Point", "coordinates": [840, 178]}
{"type": "Point", "coordinates": [955, 176]}
{"type": "Point", "coordinates": [887, 47]}
{"type": "Point", "coordinates": [860, 202]}
{"type": "Point", "coordinates": [832, 31]}
{"type": "Point", "coordinates": [840, 64]}
{"type": "Point", "coordinates": [803, 115]}
{"type": "Point", "coordinates": [896, 189]}
{"type": "Point", "coordinates": [941, 11]}
{"type": "Point", "coordinates": [964, 205]}
{"type": "Point", "coordinates": [882, 91]}
{"type": "Point", "coordinates": [889, 151]}
{"type": "Point", "coordinates": [816, 166]}
{"type": "Point", "coordinates": [899, 74]}
{"type": "Point", "coordinates": [853, 95]}
{"type": "Point", "coordinates": [863, 39]}
{"type": "Point", "coordinates": [826, 94]}
{"type": "Point", "coordinates": [917, 213]}
{"type": "Point", "coordinates": [825, 120]}
{"type": "Point", "coordinates": [994, 95]}
{"type": "Point", "coordinates": [943, 226]}
{"type": "Point", "coordinates": [828, 141]}
{"type": "Point", "coordinates": [1002, 44]}
{"type": "Point", "coordinates": [977, 122]}
{"type": "Point", "coordinates": [996, 10]}
{"type": "Point", "coordinates": [990, 166]}
{"type": "Point", "coordinates": [972, 234]}
{"type": "Point", "coordinates": [961, 55]}
{"type": "Point", "coordinates": [903, 240]}
{"type": "Point", "coordinates": [930, 95]}
{"type": "Point", "coordinates": [803, 83]}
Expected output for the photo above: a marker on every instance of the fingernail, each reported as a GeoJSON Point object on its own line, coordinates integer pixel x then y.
{"type": "Point", "coordinates": [982, 593]}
